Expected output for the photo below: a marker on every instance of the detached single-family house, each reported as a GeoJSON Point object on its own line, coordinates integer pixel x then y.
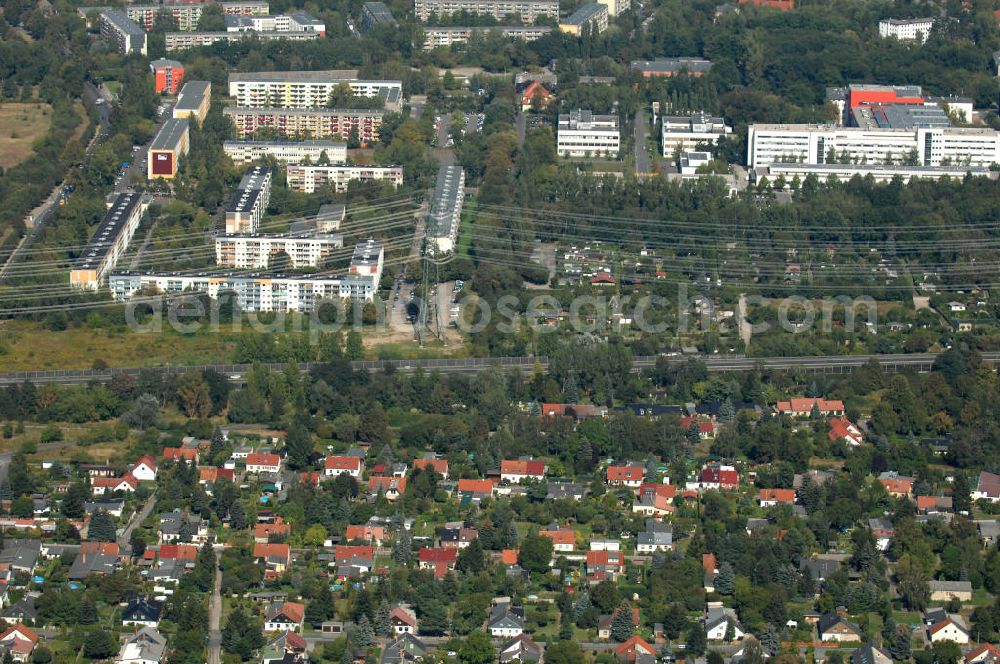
{"type": "Point", "coordinates": [987, 487]}
{"type": "Point", "coordinates": [627, 476]}
{"type": "Point", "coordinates": [141, 611]}
{"type": "Point", "coordinates": [438, 560]}
{"type": "Point", "coordinates": [403, 619]}
{"type": "Point", "coordinates": [521, 649]}
{"type": "Point", "coordinates": [775, 497]}
{"type": "Point", "coordinates": [870, 654]}
{"type": "Point", "coordinates": [287, 616]}
{"type": "Point", "coordinates": [952, 628]}
{"type": "Point", "coordinates": [835, 627]}
{"type": "Point", "coordinates": [263, 462]}
{"type": "Point", "coordinates": [563, 539]}
{"type": "Point", "coordinates": [147, 646]}
{"type": "Point", "coordinates": [717, 622]}
{"type": "Point", "coordinates": [144, 469]}
{"type": "Point", "coordinates": [516, 471]}
{"type": "Point", "coordinates": [275, 558]}
{"type": "Point", "coordinates": [945, 591]}
{"type": "Point", "coordinates": [843, 429]}
{"type": "Point", "coordinates": [506, 620]}
{"type": "Point", "coordinates": [439, 466]}
{"type": "Point", "coordinates": [343, 465]}
{"type": "Point", "coordinates": [804, 407]}
{"type": "Point", "coordinates": [635, 651]}
{"type": "Point", "coordinates": [19, 641]}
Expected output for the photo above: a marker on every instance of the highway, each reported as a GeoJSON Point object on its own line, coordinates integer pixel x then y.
{"type": "Point", "coordinates": [714, 363]}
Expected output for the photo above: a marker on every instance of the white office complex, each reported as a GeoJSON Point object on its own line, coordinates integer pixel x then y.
{"type": "Point", "coordinates": [255, 251]}
{"type": "Point", "coordinates": [247, 207]}
{"type": "Point", "coordinates": [687, 132]}
{"type": "Point", "coordinates": [583, 134]}
{"type": "Point", "coordinates": [907, 29]}
{"type": "Point", "coordinates": [287, 293]}
{"type": "Point", "coordinates": [123, 32]}
{"type": "Point", "coordinates": [307, 178]}
{"type": "Point", "coordinates": [179, 41]}
{"type": "Point", "coordinates": [296, 22]}
{"type": "Point", "coordinates": [302, 89]}
{"type": "Point", "coordinates": [244, 152]}
{"type": "Point", "coordinates": [315, 123]}
{"type": "Point", "coordinates": [110, 241]}
{"type": "Point", "coordinates": [526, 10]}
{"type": "Point", "coordinates": [824, 144]}
{"type": "Point", "coordinates": [447, 36]}
{"type": "Point", "coordinates": [879, 173]}
{"type": "Point", "coordinates": [445, 215]}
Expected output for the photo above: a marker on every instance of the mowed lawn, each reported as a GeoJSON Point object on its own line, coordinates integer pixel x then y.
{"type": "Point", "coordinates": [20, 125]}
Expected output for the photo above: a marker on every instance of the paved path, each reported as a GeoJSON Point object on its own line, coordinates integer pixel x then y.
{"type": "Point", "coordinates": [136, 520]}
{"type": "Point", "coordinates": [643, 166]}
{"type": "Point", "coordinates": [215, 617]}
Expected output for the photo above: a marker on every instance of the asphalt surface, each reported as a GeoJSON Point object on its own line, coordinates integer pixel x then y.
{"type": "Point", "coordinates": [714, 363]}
{"type": "Point", "coordinates": [215, 617]}
{"type": "Point", "coordinates": [643, 166]}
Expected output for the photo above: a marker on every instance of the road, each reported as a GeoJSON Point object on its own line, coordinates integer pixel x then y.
{"type": "Point", "coordinates": [215, 617]}
{"type": "Point", "coordinates": [714, 364]}
{"type": "Point", "coordinates": [522, 127]}
{"type": "Point", "coordinates": [643, 166]}
{"type": "Point", "coordinates": [136, 520]}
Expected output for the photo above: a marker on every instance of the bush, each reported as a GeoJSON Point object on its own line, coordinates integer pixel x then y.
{"type": "Point", "coordinates": [51, 434]}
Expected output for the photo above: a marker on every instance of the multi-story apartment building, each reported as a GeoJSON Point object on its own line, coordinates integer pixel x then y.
{"type": "Point", "coordinates": [307, 178]}
{"type": "Point", "coordinates": [168, 146]}
{"type": "Point", "coordinates": [590, 17]}
{"type": "Point", "coordinates": [109, 242]}
{"type": "Point", "coordinates": [301, 89]}
{"type": "Point", "coordinates": [583, 134]}
{"type": "Point", "coordinates": [906, 29]}
{"type": "Point", "coordinates": [123, 32]}
{"type": "Point", "coordinates": [446, 36]}
{"type": "Point", "coordinates": [244, 152]}
{"type": "Point", "coordinates": [185, 14]}
{"type": "Point", "coordinates": [250, 200]}
{"type": "Point", "coordinates": [823, 144]}
{"type": "Point", "coordinates": [368, 259]}
{"type": "Point", "coordinates": [246, 7]}
{"type": "Point", "coordinates": [375, 13]}
{"type": "Point", "coordinates": [878, 172]}
{"type": "Point", "coordinates": [167, 74]}
{"type": "Point", "coordinates": [686, 132]}
{"type": "Point", "coordinates": [194, 101]}
{"type": "Point", "coordinates": [526, 10]}
{"type": "Point", "coordinates": [295, 22]}
{"type": "Point", "coordinates": [696, 67]}
{"type": "Point", "coordinates": [616, 7]}
{"type": "Point", "coordinates": [308, 123]}
{"type": "Point", "coordinates": [255, 251]}
{"type": "Point", "coordinates": [178, 41]}
{"type": "Point", "coordinates": [445, 214]}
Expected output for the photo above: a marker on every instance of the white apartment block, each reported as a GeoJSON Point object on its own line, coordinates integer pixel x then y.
{"type": "Point", "coordinates": [256, 251]}
{"type": "Point", "coordinates": [687, 132]}
{"type": "Point", "coordinates": [244, 152]}
{"type": "Point", "coordinates": [526, 10]}
{"type": "Point", "coordinates": [110, 241]}
{"type": "Point", "coordinates": [317, 123]}
{"type": "Point", "coordinates": [583, 134]}
{"type": "Point", "coordinates": [616, 7]}
{"type": "Point", "coordinates": [179, 41]}
{"type": "Point", "coordinates": [907, 29]}
{"type": "Point", "coordinates": [879, 173]}
{"type": "Point", "coordinates": [297, 22]}
{"type": "Point", "coordinates": [446, 36]}
{"type": "Point", "coordinates": [821, 144]}
{"type": "Point", "coordinates": [247, 207]}
{"type": "Point", "coordinates": [302, 89]}
{"type": "Point", "coordinates": [445, 214]}
{"type": "Point", "coordinates": [307, 178]}
{"type": "Point", "coordinates": [126, 35]}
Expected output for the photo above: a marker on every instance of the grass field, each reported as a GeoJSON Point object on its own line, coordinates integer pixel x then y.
{"type": "Point", "coordinates": [22, 124]}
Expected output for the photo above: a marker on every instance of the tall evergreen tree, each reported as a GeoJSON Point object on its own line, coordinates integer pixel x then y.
{"type": "Point", "coordinates": [725, 580]}
{"type": "Point", "coordinates": [622, 625]}
{"type": "Point", "coordinates": [101, 527]}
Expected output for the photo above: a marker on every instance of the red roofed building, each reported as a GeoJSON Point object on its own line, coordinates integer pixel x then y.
{"type": "Point", "coordinates": [774, 497]}
{"type": "Point", "coordinates": [101, 485]}
{"type": "Point", "coordinates": [579, 411]}
{"type": "Point", "coordinates": [783, 5]}
{"type": "Point", "coordinates": [438, 560]}
{"type": "Point", "coordinates": [716, 476]}
{"type": "Point", "coordinates": [309, 477]}
{"type": "Point", "coordinates": [706, 429]}
{"type": "Point", "coordinates": [535, 90]}
{"type": "Point", "coordinates": [211, 475]}
{"type": "Point", "coordinates": [516, 471]}
{"type": "Point", "coordinates": [366, 533]}
{"type": "Point", "coordinates": [178, 552]}
{"type": "Point", "coordinates": [389, 486]}
{"type": "Point", "coordinates": [803, 407]}
{"type": "Point", "coordinates": [263, 462]}
{"type": "Point", "coordinates": [509, 556]}
{"type": "Point", "coordinates": [984, 654]}
{"type": "Point", "coordinates": [630, 476]}
{"type": "Point", "coordinates": [144, 469]}
{"type": "Point", "coordinates": [935, 504]}
{"type": "Point", "coordinates": [177, 454]}
{"type": "Point", "coordinates": [439, 466]}
{"type": "Point", "coordinates": [896, 485]}
{"type": "Point", "coordinates": [346, 552]}
{"type": "Point", "coordinates": [276, 558]}
{"type": "Point", "coordinates": [341, 465]}
{"type": "Point", "coordinates": [263, 532]}
{"type": "Point", "coordinates": [667, 491]}
{"type": "Point", "coordinates": [287, 616]}
{"type": "Point", "coordinates": [603, 565]}
{"type": "Point", "coordinates": [105, 548]}
{"type": "Point", "coordinates": [20, 640]}
{"type": "Point", "coordinates": [563, 539]}
{"type": "Point", "coordinates": [482, 487]}
{"type": "Point", "coordinates": [631, 649]}
{"type": "Point", "coordinates": [843, 429]}
{"type": "Point", "coordinates": [603, 278]}
{"type": "Point", "coordinates": [987, 487]}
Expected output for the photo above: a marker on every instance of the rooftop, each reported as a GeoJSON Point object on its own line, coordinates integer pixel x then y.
{"type": "Point", "coordinates": [192, 94]}
{"type": "Point", "coordinates": [584, 14]}
{"type": "Point", "coordinates": [107, 232]}
{"type": "Point", "coordinates": [170, 134]}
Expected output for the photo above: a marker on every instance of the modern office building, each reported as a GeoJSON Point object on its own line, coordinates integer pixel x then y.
{"type": "Point", "coordinates": [247, 206]}
{"type": "Point", "coordinates": [168, 146]}
{"type": "Point", "coordinates": [244, 152]}
{"type": "Point", "coordinates": [167, 74]}
{"type": "Point", "coordinates": [526, 10]}
{"type": "Point", "coordinates": [109, 242]}
{"type": "Point", "coordinates": [375, 13]}
{"type": "Point", "coordinates": [179, 41]}
{"type": "Point", "coordinates": [687, 132]}
{"type": "Point", "coordinates": [906, 29]}
{"type": "Point", "coordinates": [672, 67]}
{"type": "Point", "coordinates": [194, 101]}
{"type": "Point", "coordinates": [300, 89]}
{"type": "Point", "coordinates": [295, 22]}
{"type": "Point", "coordinates": [123, 32]}
{"type": "Point", "coordinates": [879, 172]}
{"type": "Point", "coordinates": [583, 134]}
{"type": "Point", "coordinates": [445, 215]}
{"type": "Point", "coordinates": [823, 144]}
{"type": "Point", "coordinates": [318, 123]}
{"type": "Point", "coordinates": [255, 251]}
{"type": "Point", "coordinates": [307, 178]}
{"type": "Point", "coordinates": [588, 18]}
{"type": "Point", "coordinates": [447, 36]}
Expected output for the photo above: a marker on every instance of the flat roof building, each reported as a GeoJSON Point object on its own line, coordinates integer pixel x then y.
{"type": "Point", "coordinates": [167, 75]}
{"type": "Point", "coordinates": [246, 7]}
{"type": "Point", "coordinates": [526, 10]}
{"type": "Point", "coordinates": [256, 251]}
{"type": "Point", "coordinates": [295, 22]}
{"type": "Point", "coordinates": [179, 41]}
{"type": "Point", "coordinates": [445, 215]}
{"type": "Point", "coordinates": [169, 145]}
{"type": "Point", "coordinates": [368, 258]}
{"type": "Point", "coordinates": [247, 206]}
{"type": "Point", "coordinates": [581, 133]}
{"type": "Point", "coordinates": [878, 172]}
{"type": "Point", "coordinates": [672, 67]}
{"type": "Point", "coordinates": [317, 123]}
{"type": "Point", "coordinates": [109, 242]}
{"type": "Point", "coordinates": [687, 132]}
{"type": "Point", "coordinates": [447, 36]}
{"type": "Point", "coordinates": [592, 17]}
{"type": "Point", "coordinates": [194, 101]}
{"type": "Point", "coordinates": [906, 29]}
{"type": "Point", "coordinates": [375, 13]}
{"type": "Point", "coordinates": [244, 152]}
{"type": "Point", "coordinates": [300, 89]}
{"type": "Point", "coordinates": [123, 32]}
{"type": "Point", "coordinates": [309, 178]}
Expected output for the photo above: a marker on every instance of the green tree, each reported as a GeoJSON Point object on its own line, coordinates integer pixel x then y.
{"type": "Point", "coordinates": [363, 635]}
{"type": "Point", "coordinates": [912, 583]}
{"type": "Point", "coordinates": [99, 644]}
{"type": "Point", "coordinates": [355, 349]}
{"type": "Point", "coordinates": [622, 625]}
{"type": "Point", "coordinates": [23, 506]}
{"type": "Point", "coordinates": [477, 649]}
{"type": "Point", "coordinates": [564, 652]}
{"type": "Point", "coordinates": [241, 636]}
{"type": "Point", "coordinates": [725, 580]}
{"type": "Point", "coordinates": [101, 527]}
{"type": "Point", "coordinates": [535, 554]}
{"type": "Point", "coordinates": [299, 445]}
{"type": "Point", "coordinates": [697, 640]}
